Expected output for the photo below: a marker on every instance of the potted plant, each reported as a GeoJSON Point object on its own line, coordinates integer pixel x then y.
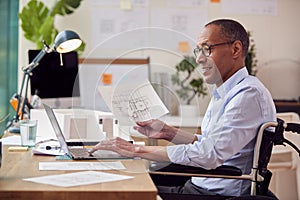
{"type": "Point", "coordinates": [251, 61]}
{"type": "Point", "coordinates": [37, 20]}
{"type": "Point", "coordinates": [191, 85]}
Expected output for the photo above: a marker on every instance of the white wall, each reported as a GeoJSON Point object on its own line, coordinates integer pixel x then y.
{"type": "Point", "coordinates": [276, 38]}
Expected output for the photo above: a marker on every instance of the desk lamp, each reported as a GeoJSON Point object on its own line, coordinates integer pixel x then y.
{"type": "Point", "coordinates": [65, 41]}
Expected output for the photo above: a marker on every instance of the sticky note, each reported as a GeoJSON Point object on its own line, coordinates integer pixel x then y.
{"type": "Point", "coordinates": [184, 46]}
{"type": "Point", "coordinates": [17, 149]}
{"type": "Point", "coordinates": [106, 79]}
{"type": "Point", "coordinates": [125, 4]}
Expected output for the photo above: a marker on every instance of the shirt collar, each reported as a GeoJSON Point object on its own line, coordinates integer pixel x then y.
{"type": "Point", "coordinates": [237, 77]}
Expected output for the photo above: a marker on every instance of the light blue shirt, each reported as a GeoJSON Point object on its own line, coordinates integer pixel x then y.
{"type": "Point", "coordinates": [229, 128]}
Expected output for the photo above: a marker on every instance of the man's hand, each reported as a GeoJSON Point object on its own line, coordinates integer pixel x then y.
{"type": "Point", "coordinates": [118, 145]}
{"type": "Point", "coordinates": [156, 129]}
{"type": "Point", "coordinates": [128, 149]}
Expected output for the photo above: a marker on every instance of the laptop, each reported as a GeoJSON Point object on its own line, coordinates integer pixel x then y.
{"type": "Point", "coordinates": [77, 150]}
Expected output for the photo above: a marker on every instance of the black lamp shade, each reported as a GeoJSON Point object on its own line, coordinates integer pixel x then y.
{"type": "Point", "coordinates": [67, 41]}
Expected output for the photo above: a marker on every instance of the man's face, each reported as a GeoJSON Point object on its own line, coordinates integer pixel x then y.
{"type": "Point", "coordinates": [216, 67]}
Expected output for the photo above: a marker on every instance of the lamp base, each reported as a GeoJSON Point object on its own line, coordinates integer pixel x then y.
{"type": "Point", "coordinates": [14, 129]}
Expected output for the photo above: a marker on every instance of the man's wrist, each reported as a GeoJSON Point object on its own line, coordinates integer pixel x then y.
{"type": "Point", "coordinates": [170, 132]}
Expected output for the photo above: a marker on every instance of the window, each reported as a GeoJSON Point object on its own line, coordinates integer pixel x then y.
{"type": "Point", "coordinates": [8, 56]}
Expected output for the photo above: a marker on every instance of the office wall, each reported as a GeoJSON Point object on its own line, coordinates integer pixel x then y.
{"type": "Point", "coordinates": [276, 36]}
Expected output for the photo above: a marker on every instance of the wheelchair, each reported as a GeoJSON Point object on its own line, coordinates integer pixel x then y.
{"type": "Point", "coordinates": [171, 174]}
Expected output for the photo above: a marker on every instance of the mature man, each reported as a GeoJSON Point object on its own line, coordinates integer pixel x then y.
{"type": "Point", "coordinates": [239, 105]}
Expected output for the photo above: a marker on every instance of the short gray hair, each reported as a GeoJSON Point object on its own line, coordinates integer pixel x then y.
{"type": "Point", "coordinates": [232, 30]}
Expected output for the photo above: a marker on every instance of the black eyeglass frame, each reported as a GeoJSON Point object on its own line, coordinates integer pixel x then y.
{"type": "Point", "coordinates": [206, 49]}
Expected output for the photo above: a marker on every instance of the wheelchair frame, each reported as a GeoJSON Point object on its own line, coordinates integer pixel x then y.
{"type": "Point", "coordinates": [260, 175]}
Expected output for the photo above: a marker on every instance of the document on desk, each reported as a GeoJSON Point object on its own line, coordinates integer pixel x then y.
{"type": "Point", "coordinates": [81, 166]}
{"type": "Point", "coordinates": [78, 178]}
{"type": "Point", "coordinates": [131, 102]}
{"type": "Point", "coordinates": [11, 140]}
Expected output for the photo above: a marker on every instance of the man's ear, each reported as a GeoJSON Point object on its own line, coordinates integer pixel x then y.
{"type": "Point", "coordinates": [237, 49]}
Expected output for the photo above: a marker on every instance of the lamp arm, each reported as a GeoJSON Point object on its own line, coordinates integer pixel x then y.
{"type": "Point", "coordinates": [19, 97]}
{"type": "Point", "coordinates": [38, 58]}
{"type": "Point", "coordinates": [26, 101]}
{"type": "Point", "coordinates": [26, 73]}
{"type": "Point", "coordinates": [62, 37]}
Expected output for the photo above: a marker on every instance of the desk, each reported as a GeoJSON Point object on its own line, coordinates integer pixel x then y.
{"type": "Point", "coordinates": [19, 165]}
{"type": "Point", "coordinates": [287, 106]}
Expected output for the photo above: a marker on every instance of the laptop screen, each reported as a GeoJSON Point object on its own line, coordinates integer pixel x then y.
{"type": "Point", "coordinates": [60, 137]}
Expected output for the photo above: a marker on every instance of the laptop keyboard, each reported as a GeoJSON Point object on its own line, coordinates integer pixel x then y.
{"type": "Point", "coordinates": [79, 152]}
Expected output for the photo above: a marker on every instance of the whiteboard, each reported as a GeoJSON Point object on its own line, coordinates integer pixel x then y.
{"type": "Point", "coordinates": [91, 72]}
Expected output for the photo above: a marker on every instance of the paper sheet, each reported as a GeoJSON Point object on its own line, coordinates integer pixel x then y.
{"type": "Point", "coordinates": [78, 178]}
{"type": "Point", "coordinates": [131, 102]}
{"type": "Point", "coordinates": [181, 24]}
{"type": "Point", "coordinates": [11, 140]}
{"type": "Point", "coordinates": [186, 3]}
{"type": "Point", "coordinates": [81, 166]}
{"type": "Point", "coordinates": [113, 27]}
{"type": "Point", "coordinates": [253, 7]}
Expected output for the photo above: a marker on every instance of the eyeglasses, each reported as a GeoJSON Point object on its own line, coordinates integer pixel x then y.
{"type": "Point", "coordinates": [206, 49]}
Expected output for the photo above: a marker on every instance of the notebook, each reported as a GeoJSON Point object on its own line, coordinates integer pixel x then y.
{"type": "Point", "coordinates": [77, 150]}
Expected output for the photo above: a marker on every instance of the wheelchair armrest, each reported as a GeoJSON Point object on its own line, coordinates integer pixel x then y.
{"type": "Point", "coordinates": [177, 168]}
